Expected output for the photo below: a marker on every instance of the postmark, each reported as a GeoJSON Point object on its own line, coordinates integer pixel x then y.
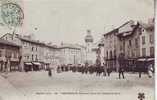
{"type": "Point", "coordinates": [12, 14]}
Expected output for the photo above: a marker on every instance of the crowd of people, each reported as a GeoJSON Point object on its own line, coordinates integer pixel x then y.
{"type": "Point", "coordinates": [91, 69]}
{"type": "Point", "coordinates": [102, 69]}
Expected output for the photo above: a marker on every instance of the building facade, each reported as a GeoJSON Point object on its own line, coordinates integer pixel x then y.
{"type": "Point", "coordinates": [110, 49]}
{"type": "Point", "coordinates": [35, 54]}
{"type": "Point", "coordinates": [128, 39]}
{"type": "Point", "coordinates": [10, 56]}
{"type": "Point", "coordinates": [70, 54]}
{"type": "Point", "coordinates": [147, 39]}
{"type": "Point", "coordinates": [133, 39]}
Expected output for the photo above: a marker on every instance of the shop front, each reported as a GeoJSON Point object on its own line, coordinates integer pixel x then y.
{"type": "Point", "coordinates": [36, 66]}
{"type": "Point", "coordinates": [14, 66]}
{"type": "Point", "coordinates": [28, 66]}
{"type": "Point", "coordinates": [130, 64]}
{"type": "Point", "coordinates": [143, 63]}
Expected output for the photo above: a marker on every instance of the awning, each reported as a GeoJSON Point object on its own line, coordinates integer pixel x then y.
{"type": "Point", "coordinates": [142, 59]}
{"type": "Point", "coordinates": [150, 59]}
{"type": "Point", "coordinates": [28, 63]}
{"type": "Point", "coordinates": [145, 59]}
{"type": "Point", "coordinates": [36, 63]}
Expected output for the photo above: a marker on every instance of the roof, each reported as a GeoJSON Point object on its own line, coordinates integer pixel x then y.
{"type": "Point", "coordinates": [125, 32]}
{"type": "Point", "coordinates": [5, 42]}
{"type": "Point", "coordinates": [113, 31]}
{"type": "Point", "coordinates": [7, 34]}
{"type": "Point", "coordinates": [32, 41]}
{"type": "Point", "coordinates": [116, 29]}
{"type": "Point", "coordinates": [64, 47]}
{"type": "Point", "coordinates": [147, 26]}
{"type": "Point", "coordinates": [129, 32]}
{"type": "Point", "coordinates": [89, 38]}
{"type": "Point", "coordinates": [51, 46]}
{"type": "Point", "coordinates": [80, 46]}
{"type": "Point", "coordinates": [38, 42]}
{"type": "Point", "coordinates": [70, 46]}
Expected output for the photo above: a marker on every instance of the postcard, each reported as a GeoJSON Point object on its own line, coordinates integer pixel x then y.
{"type": "Point", "coordinates": [77, 50]}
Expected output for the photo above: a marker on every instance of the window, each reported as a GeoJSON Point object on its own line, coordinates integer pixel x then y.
{"type": "Point", "coordinates": [151, 38]}
{"type": "Point", "coordinates": [114, 53]}
{"type": "Point", "coordinates": [27, 57]}
{"type": "Point", "coordinates": [121, 48]}
{"type": "Point", "coordinates": [32, 48]}
{"type": "Point", "coordinates": [130, 43]}
{"type": "Point", "coordinates": [0, 53]}
{"type": "Point", "coordinates": [8, 53]}
{"type": "Point", "coordinates": [111, 54]}
{"type": "Point", "coordinates": [32, 57]}
{"type": "Point", "coordinates": [128, 53]}
{"type": "Point", "coordinates": [140, 31]}
{"type": "Point", "coordinates": [136, 43]}
{"type": "Point", "coordinates": [107, 54]}
{"type": "Point", "coordinates": [36, 57]}
{"type": "Point", "coordinates": [143, 52]}
{"type": "Point", "coordinates": [36, 49]}
{"type": "Point", "coordinates": [15, 55]}
{"type": "Point", "coordinates": [152, 51]}
{"type": "Point", "coordinates": [133, 54]}
{"type": "Point", "coordinates": [143, 40]}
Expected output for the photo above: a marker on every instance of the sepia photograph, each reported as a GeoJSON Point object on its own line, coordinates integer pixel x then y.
{"type": "Point", "coordinates": [77, 49]}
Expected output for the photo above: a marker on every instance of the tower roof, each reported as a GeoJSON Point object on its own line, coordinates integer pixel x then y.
{"type": "Point", "coordinates": [89, 37]}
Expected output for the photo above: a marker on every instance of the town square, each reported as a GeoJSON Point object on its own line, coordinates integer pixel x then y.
{"type": "Point", "coordinates": [58, 50]}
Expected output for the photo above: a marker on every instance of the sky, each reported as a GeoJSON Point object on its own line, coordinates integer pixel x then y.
{"type": "Point", "coordinates": [66, 21]}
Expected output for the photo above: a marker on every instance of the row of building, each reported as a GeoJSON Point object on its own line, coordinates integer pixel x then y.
{"type": "Point", "coordinates": [134, 39]}
{"type": "Point", "coordinates": [25, 53]}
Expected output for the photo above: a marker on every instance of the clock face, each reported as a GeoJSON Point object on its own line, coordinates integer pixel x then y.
{"type": "Point", "coordinates": [12, 14]}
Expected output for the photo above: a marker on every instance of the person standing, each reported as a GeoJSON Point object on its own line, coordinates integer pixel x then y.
{"type": "Point", "coordinates": [105, 70]}
{"type": "Point", "coordinates": [140, 68]}
{"type": "Point", "coordinates": [121, 61]}
{"type": "Point", "coordinates": [150, 70]}
{"type": "Point", "coordinates": [49, 72]}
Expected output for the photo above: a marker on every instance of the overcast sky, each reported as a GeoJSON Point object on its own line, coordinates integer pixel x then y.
{"type": "Point", "coordinates": [68, 20]}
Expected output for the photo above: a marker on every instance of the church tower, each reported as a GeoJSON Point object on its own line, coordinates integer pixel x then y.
{"type": "Point", "coordinates": [89, 44]}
